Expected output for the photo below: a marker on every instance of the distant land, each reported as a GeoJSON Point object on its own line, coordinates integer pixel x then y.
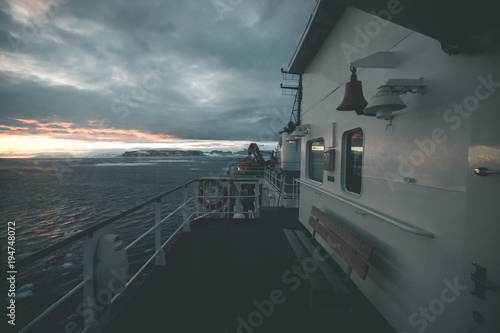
{"type": "Point", "coordinates": [154, 152]}
{"type": "Point", "coordinates": [170, 153]}
{"type": "Point", "coordinates": [118, 153]}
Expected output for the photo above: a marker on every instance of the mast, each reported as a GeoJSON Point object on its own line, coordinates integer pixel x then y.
{"type": "Point", "coordinates": [297, 92]}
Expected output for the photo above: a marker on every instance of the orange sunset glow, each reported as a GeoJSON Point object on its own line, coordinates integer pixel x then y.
{"type": "Point", "coordinates": [62, 130]}
{"type": "Point", "coordinates": [33, 137]}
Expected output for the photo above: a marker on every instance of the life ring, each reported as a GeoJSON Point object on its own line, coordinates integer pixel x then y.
{"type": "Point", "coordinates": [211, 194]}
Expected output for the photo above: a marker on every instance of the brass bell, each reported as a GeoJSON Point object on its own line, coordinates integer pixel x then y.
{"type": "Point", "coordinates": [353, 97]}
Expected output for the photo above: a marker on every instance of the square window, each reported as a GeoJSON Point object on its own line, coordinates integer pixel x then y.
{"type": "Point", "coordinates": [315, 150]}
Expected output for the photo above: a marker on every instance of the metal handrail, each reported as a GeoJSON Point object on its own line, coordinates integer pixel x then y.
{"type": "Point", "coordinates": [400, 224]}
{"type": "Point", "coordinates": [271, 180]}
{"type": "Point", "coordinates": [55, 305]}
{"type": "Point", "coordinates": [175, 211]}
{"type": "Point", "coordinates": [91, 230]}
{"type": "Point", "coordinates": [152, 257]}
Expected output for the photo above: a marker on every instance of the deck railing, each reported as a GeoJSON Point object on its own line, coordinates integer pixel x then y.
{"type": "Point", "coordinates": [223, 196]}
{"type": "Point", "coordinates": [283, 183]}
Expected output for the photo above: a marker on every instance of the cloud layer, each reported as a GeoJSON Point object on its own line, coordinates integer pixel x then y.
{"type": "Point", "coordinates": [194, 69]}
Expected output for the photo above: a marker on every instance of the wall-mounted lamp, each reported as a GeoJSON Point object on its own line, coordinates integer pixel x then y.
{"type": "Point", "coordinates": [299, 132]}
{"type": "Point", "coordinates": [387, 100]}
{"type": "Point", "coordinates": [383, 104]}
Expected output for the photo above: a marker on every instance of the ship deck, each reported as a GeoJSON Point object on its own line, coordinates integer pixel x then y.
{"type": "Point", "coordinates": [216, 274]}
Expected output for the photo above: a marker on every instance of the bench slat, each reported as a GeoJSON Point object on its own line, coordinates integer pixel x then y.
{"type": "Point", "coordinates": [342, 248]}
{"type": "Point", "coordinates": [317, 282]}
{"type": "Point", "coordinates": [328, 272]}
{"type": "Point", "coordinates": [364, 249]}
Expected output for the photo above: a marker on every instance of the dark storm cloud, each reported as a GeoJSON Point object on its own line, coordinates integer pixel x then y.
{"type": "Point", "coordinates": [180, 68]}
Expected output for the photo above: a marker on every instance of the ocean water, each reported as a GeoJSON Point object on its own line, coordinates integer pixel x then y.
{"type": "Point", "coordinates": [50, 199]}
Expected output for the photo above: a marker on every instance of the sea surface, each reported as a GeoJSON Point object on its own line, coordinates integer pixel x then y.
{"type": "Point", "coordinates": [51, 199]}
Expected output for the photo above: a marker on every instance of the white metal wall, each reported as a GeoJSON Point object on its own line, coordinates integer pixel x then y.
{"type": "Point", "coordinates": [428, 143]}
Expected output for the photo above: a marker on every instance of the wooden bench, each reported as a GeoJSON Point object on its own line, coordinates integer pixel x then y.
{"type": "Point", "coordinates": [328, 289]}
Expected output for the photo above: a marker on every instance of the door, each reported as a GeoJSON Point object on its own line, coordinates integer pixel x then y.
{"type": "Point", "coordinates": [480, 308]}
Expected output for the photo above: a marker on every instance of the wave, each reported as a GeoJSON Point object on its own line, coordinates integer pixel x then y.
{"type": "Point", "coordinates": [169, 161]}
{"type": "Point", "coordinates": [122, 164]}
{"type": "Point", "coordinates": [140, 163]}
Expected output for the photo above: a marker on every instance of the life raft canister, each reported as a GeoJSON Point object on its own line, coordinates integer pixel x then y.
{"type": "Point", "coordinates": [211, 194]}
{"type": "Point", "coordinates": [249, 164]}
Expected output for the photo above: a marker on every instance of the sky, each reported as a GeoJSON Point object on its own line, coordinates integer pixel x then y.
{"type": "Point", "coordinates": [78, 76]}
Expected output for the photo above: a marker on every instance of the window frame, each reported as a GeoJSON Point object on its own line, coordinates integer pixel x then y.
{"type": "Point", "coordinates": [346, 177]}
{"type": "Point", "coordinates": [308, 165]}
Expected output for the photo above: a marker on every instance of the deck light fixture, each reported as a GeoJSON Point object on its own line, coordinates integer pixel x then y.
{"type": "Point", "coordinates": [353, 97]}
{"type": "Point", "coordinates": [387, 100]}
{"type": "Point", "coordinates": [299, 132]}
{"type": "Point", "coordinates": [383, 104]}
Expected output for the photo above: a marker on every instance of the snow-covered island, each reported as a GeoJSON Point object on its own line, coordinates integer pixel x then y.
{"type": "Point", "coordinates": [155, 152]}
{"type": "Point", "coordinates": [172, 153]}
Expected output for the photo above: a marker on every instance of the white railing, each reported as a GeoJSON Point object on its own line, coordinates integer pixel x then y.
{"type": "Point", "coordinates": [285, 184]}
{"type": "Point", "coordinates": [236, 197]}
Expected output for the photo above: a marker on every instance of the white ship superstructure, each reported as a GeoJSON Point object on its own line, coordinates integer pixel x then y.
{"type": "Point", "coordinates": [407, 172]}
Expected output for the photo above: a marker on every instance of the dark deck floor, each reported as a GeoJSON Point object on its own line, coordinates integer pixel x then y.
{"type": "Point", "coordinates": [215, 276]}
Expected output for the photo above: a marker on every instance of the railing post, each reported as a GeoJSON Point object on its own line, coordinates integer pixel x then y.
{"type": "Point", "coordinates": [296, 191]}
{"type": "Point", "coordinates": [257, 198]}
{"type": "Point", "coordinates": [88, 290]}
{"type": "Point", "coordinates": [282, 189]}
{"type": "Point", "coordinates": [185, 215]}
{"type": "Point", "coordinates": [160, 255]}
